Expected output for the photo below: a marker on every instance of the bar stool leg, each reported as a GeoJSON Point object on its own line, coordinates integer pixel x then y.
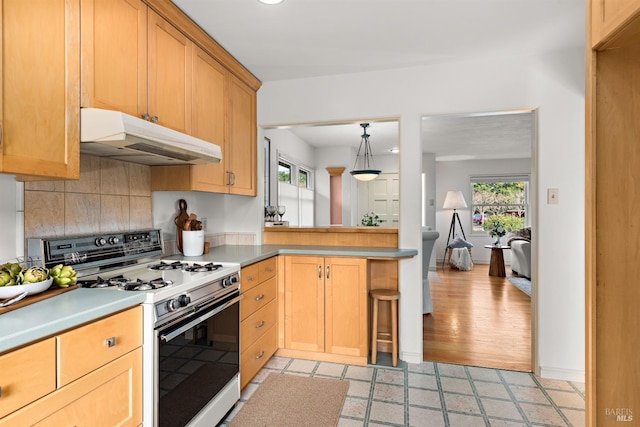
{"type": "Point", "coordinates": [394, 331]}
{"type": "Point", "coordinates": [374, 333]}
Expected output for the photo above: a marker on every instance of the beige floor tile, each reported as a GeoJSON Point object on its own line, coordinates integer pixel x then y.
{"type": "Point", "coordinates": [519, 378]}
{"type": "Point", "coordinates": [330, 369]}
{"type": "Point", "coordinates": [529, 394]}
{"type": "Point", "coordinates": [445, 369]}
{"type": "Point", "coordinates": [567, 399]}
{"type": "Point", "coordinates": [420, 417]}
{"type": "Point", "coordinates": [390, 376]}
{"type": "Point", "coordinates": [388, 393]}
{"type": "Point", "coordinates": [359, 373]}
{"type": "Point", "coordinates": [491, 389]}
{"type": "Point", "coordinates": [354, 407]}
{"type": "Point", "coordinates": [424, 398]}
{"type": "Point", "coordinates": [456, 385]}
{"type": "Point", "coordinates": [345, 422]}
{"type": "Point", "coordinates": [504, 423]}
{"type": "Point", "coordinates": [423, 368]}
{"type": "Point", "coordinates": [359, 389]}
{"type": "Point", "coordinates": [423, 381]}
{"type": "Point", "coordinates": [387, 413]}
{"type": "Point", "coordinates": [501, 409]}
{"type": "Point", "coordinates": [298, 365]}
{"type": "Point", "coordinates": [543, 414]}
{"type": "Point", "coordinates": [460, 403]}
{"type": "Point", "coordinates": [483, 374]}
{"type": "Point", "coordinates": [550, 384]}
{"type": "Point", "coordinates": [277, 362]}
{"type": "Point", "coordinates": [460, 420]}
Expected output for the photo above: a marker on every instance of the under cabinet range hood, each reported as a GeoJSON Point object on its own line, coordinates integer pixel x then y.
{"type": "Point", "coordinates": [120, 136]}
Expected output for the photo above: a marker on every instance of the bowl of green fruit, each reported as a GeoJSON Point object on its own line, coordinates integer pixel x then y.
{"type": "Point", "coordinates": [16, 279]}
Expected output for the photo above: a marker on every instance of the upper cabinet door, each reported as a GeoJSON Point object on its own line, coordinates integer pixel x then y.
{"type": "Point", "coordinates": [170, 79]}
{"type": "Point", "coordinates": [609, 16]}
{"type": "Point", "coordinates": [114, 55]}
{"type": "Point", "coordinates": [242, 138]}
{"type": "Point", "coordinates": [40, 88]}
{"type": "Point", "coordinates": [208, 118]}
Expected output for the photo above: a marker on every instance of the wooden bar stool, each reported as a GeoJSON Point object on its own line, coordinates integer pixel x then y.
{"type": "Point", "coordinates": [393, 297]}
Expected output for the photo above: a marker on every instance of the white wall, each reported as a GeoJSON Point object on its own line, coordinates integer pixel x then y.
{"type": "Point", "coordinates": [11, 218]}
{"type": "Point", "coordinates": [553, 84]}
{"type": "Point", "coordinates": [455, 176]}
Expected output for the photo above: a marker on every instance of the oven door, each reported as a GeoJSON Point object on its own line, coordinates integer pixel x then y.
{"type": "Point", "coordinates": [198, 361]}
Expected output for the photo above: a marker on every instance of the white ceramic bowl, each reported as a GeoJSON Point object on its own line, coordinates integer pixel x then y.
{"type": "Point", "coordinates": [32, 288]}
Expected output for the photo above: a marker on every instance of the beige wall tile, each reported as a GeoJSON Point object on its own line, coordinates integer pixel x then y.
{"type": "Point", "coordinates": [217, 240]}
{"type": "Point", "coordinates": [231, 239]}
{"type": "Point", "coordinates": [246, 239]}
{"type": "Point", "coordinates": [43, 214]}
{"type": "Point", "coordinates": [140, 213]}
{"type": "Point", "coordinates": [44, 185]}
{"type": "Point", "coordinates": [114, 213]}
{"type": "Point", "coordinates": [82, 213]}
{"type": "Point", "coordinates": [89, 181]}
{"type": "Point", "coordinates": [139, 180]}
{"type": "Point", "coordinates": [114, 177]}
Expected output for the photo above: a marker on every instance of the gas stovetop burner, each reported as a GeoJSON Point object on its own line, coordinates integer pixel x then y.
{"type": "Point", "coordinates": [176, 265]}
{"type": "Point", "coordinates": [203, 267]}
{"type": "Point", "coordinates": [125, 284]}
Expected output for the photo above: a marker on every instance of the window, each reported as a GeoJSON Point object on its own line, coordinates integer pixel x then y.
{"type": "Point", "coordinates": [284, 172]}
{"type": "Point", "coordinates": [499, 195]}
{"type": "Point", "coordinates": [303, 178]}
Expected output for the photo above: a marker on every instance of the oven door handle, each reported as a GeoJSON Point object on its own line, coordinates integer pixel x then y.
{"type": "Point", "coordinates": [174, 333]}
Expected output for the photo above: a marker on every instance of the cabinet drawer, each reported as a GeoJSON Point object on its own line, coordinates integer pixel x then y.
{"type": "Point", "coordinates": [257, 355]}
{"type": "Point", "coordinates": [257, 297]}
{"type": "Point", "coordinates": [249, 277]}
{"type": "Point", "coordinates": [267, 269]}
{"type": "Point", "coordinates": [259, 322]}
{"type": "Point", "coordinates": [84, 349]}
{"type": "Point", "coordinates": [26, 375]}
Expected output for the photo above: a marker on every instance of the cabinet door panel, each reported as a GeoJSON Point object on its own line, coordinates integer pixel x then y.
{"type": "Point", "coordinates": [114, 55]}
{"type": "Point", "coordinates": [304, 303]}
{"type": "Point", "coordinates": [170, 62]}
{"type": "Point", "coordinates": [608, 16]}
{"type": "Point", "coordinates": [40, 88]}
{"type": "Point", "coordinates": [242, 138]}
{"type": "Point", "coordinates": [346, 306]}
{"type": "Point", "coordinates": [209, 101]}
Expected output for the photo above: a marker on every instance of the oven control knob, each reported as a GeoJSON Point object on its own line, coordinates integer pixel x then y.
{"type": "Point", "coordinates": [228, 281]}
{"type": "Point", "coordinates": [101, 241]}
{"type": "Point", "coordinates": [113, 240]}
{"type": "Point", "coordinates": [176, 303]}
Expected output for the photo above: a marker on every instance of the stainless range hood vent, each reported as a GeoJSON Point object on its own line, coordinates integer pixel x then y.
{"type": "Point", "coordinates": [120, 136]}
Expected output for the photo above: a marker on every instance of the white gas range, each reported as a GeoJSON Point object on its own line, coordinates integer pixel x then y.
{"type": "Point", "coordinates": [190, 326]}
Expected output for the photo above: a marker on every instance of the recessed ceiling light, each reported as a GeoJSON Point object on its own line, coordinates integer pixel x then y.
{"type": "Point", "coordinates": [394, 150]}
{"type": "Point", "coordinates": [271, 1]}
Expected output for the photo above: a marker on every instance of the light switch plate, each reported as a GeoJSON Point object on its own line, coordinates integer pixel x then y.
{"type": "Point", "coordinates": [552, 196]}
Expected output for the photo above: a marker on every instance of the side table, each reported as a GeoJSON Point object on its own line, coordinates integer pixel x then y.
{"type": "Point", "coordinates": [496, 265]}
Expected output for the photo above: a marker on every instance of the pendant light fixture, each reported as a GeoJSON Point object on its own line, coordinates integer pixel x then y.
{"type": "Point", "coordinates": [366, 173]}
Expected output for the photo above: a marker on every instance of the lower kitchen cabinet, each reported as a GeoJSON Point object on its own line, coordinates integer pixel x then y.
{"type": "Point", "coordinates": [259, 317]}
{"type": "Point", "coordinates": [326, 307]}
{"type": "Point", "coordinates": [107, 393]}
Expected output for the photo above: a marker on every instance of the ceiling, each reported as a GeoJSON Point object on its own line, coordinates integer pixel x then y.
{"type": "Point", "coordinates": [311, 38]}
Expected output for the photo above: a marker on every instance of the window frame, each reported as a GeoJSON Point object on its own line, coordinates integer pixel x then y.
{"type": "Point", "coordinates": [525, 206]}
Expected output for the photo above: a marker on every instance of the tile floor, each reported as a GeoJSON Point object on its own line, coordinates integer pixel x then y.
{"type": "Point", "coordinates": [440, 394]}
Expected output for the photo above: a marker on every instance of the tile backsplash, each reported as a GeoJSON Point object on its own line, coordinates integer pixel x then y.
{"type": "Point", "coordinates": [110, 196]}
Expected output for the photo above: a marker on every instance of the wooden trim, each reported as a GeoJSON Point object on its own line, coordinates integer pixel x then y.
{"type": "Point", "coordinates": [323, 357]}
{"type": "Point", "coordinates": [179, 19]}
{"type": "Point", "coordinates": [335, 171]}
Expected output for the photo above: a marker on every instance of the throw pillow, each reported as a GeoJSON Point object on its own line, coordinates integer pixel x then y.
{"type": "Point", "coordinates": [459, 242]}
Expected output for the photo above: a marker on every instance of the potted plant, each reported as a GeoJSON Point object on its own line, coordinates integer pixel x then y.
{"type": "Point", "coordinates": [496, 226]}
{"type": "Point", "coordinates": [371, 220]}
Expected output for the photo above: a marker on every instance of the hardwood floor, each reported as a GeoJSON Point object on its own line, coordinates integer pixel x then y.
{"type": "Point", "coordinates": [478, 320]}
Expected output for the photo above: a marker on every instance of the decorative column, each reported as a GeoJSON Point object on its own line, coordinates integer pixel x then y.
{"type": "Point", "coordinates": [335, 194]}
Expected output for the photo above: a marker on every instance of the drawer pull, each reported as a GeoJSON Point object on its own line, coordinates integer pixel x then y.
{"type": "Point", "coordinates": [260, 355]}
{"type": "Point", "coordinates": [328, 271]}
{"type": "Point", "coordinates": [0, 392]}
{"type": "Point", "coordinates": [319, 272]}
{"type": "Point", "coordinates": [250, 278]}
{"type": "Point", "coordinates": [110, 342]}
{"type": "Point", "coordinates": [260, 325]}
{"type": "Point", "coordinates": [269, 269]}
{"type": "Point", "coordinates": [260, 297]}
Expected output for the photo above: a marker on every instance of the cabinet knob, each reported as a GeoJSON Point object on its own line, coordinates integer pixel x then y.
{"type": "Point", "coordinates": [154, 119]}
{"type": "Point", "coordinates": [260, 355]}
{"type": "Point", "coordinates": [0, 392]}
{"type": "Point", "coordinates": [146, 116]}
{"type": "Point", "coordinates": [260, 297]}
{"type": "Point", "coordinates": [110, 342]}
{"type": "Point", "coordinates": [260, 325]}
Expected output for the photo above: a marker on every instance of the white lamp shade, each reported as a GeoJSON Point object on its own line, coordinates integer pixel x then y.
{"type": "Point", "coordinates": [454, 200]}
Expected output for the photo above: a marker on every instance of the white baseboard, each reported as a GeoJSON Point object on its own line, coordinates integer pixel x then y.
{"type": "Point", "coordinates": [562, 374]}
{"type": "Point", "coordinates": [410, 357]}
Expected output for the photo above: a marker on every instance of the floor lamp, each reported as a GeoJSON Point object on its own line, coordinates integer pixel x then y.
{"type": "Point", "coordinates": [454, 200]}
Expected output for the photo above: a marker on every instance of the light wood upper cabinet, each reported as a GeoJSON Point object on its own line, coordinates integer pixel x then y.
{"type": "Point", "coordinates": [610, 16]}
{"type": "Point", "coordinates": [114, 63]}
{"type": "Point", "coordinates": [326, 305]}
{"type": "Point", "coordinates": [40, 88]}
{"type": "Point", "coordinates": [242, 144]}
{"type": "Point", "coordinates": [170, 78]}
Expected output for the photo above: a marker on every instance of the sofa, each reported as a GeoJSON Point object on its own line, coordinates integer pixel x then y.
{"type": "Point", "coordinates": [520, 243]}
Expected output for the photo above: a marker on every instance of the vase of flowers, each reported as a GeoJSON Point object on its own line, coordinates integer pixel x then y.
{"type": "Point", "coordinates": [370, 220]}
{"type": "Point", "coordinates": [496, 228]}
